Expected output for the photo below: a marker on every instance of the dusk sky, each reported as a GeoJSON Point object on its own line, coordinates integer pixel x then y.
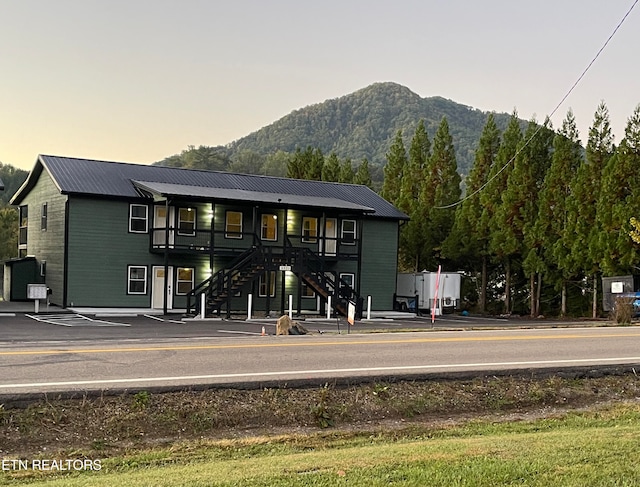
{"type": "Point", "coordinates": [140, 80]}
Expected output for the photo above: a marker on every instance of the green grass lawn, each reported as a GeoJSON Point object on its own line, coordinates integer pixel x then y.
{"type": "Point", "coordinates": [597, 448]}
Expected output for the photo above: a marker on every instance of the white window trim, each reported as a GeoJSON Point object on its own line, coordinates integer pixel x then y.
{"type": "Point", "coordinates": [145, 219]}
{"type": "Point", "coordinates": [352, 275]}
{"type": "Point", "coordinates": [355, 232]}
{"type": "Point", "coordinates": [129, 280]}
{"type": "Point", "coordinates": [227, 233]}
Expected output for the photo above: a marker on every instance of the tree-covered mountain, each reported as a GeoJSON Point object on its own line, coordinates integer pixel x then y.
{"type": "Point", "coordinates": [364, 124]}
{"type": "Point", "coordinates": [12, 178]}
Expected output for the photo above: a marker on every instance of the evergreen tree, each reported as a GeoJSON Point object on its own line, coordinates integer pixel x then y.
{"type": "Point", "coordinates": [297, 163]}
{"type": "Point", "coordinates": [581, 228]}
{"type": "Point", "coordinates": [468, 241]}
{"type": "Point", "coordinates": [346, 175]}
{"type": "Point", "coordinates": [331, 168]}
{"type": "Point", "coordinates": [440, 192]}
{"type": "Point", "coordinates": [412, 233]}
{"type": "Point", "coordinates": [522, 201]}
{"type": "Point", "coordinates": [618, 202]}
{"type": "Point", "coordinates": [394, 169]}
{"type": "Point", "coordinates": [8, 233]}
{"type": "Point", "coordinates": [491, 200]}
{"type": "Point", "coordinates": [313, 170]}
{"type": "Point", "coordinates": [362, 175]}
{"type": "Point", "coordinates": [548, 233]}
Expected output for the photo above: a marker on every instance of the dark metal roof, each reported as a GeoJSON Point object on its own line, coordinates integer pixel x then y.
{"type": "Point", "coordinates": [116, 179]}
{"type": "Point", "coordinates": [223, 194]}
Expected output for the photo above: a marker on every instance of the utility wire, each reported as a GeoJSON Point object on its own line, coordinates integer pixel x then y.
{"type": "Point", "coordinates": [540, 127]}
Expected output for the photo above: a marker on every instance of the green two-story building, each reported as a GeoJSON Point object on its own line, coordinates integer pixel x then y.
{"type": "Point", "coordinates": [107, 234]}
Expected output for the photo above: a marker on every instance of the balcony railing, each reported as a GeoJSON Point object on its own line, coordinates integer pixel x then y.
{"type": "Point", "coordinates": [201, 241]}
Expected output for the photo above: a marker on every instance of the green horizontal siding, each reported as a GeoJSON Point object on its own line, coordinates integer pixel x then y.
{"type": "Point", "coordinates": [379, 262]}
{"type": "Point", "coordinates": [47, 245]}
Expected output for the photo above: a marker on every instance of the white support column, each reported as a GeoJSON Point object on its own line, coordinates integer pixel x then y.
{"type": "Point", "coordinates": [290, 305]}
{"type": "Point", "coordinates": [249, 305]}
{"type": "Point", "coordinates": [329, 307]}
{"type": "Point", "coordinates": [203, 304]}
{"type": "Point", "coordinates": [369, 307]}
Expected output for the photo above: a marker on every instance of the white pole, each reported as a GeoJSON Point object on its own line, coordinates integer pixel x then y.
{"type": "Point", "coordinates": [329, 307]}
{"type": "Point", "coordinates": [37, 306]}
{"type": "Point", "coordinates": [369, 307]}
{"type": "Point", "coordinates": [249, 305]}
{"type": "Point", "coordinates": [290, 305]}
{"type": "Point", "coordinates": [203, 301]}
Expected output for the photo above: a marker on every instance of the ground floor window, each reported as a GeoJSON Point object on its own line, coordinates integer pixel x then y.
{"type": "Point", "coordinates": [185, 280]}
{"type": "Point", "coordinates": [137, 279]}
{"type": "Point", "coordinates": [307, 291]}
{"type": "Point", "coordinates": [347, 279]}
{"type": "Point", "coordinates": [267, 285]}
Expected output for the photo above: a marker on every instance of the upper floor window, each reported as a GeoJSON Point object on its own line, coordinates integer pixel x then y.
{"type": "Point", "coordinates": [233, 224]}
{"type": "Point", "coordinates": [186, 221]}
{"type": "Point", "coordinates": [24, 220]}
{"type": "Point", "coordinates": [348, 233]}
{"type": "Point", "coordinates": [309, 229]}
{"type": "Point", "coordinates": [269, 227]}
{"type": "Point", "coordinates": [43, 216]}
{"type": "Point", "coordinates": [138, 218]}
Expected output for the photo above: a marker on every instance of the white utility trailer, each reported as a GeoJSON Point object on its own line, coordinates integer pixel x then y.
{"type": "Point", "coordinates": [417, 291]}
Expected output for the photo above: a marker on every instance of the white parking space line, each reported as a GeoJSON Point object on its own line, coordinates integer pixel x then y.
{"type": "Point", "coordinates": [72, 320]}
{"type": "Point", "coordinates": [157, 318]}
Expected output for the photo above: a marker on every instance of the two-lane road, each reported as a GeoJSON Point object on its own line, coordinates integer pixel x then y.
{"type": "Point", "coordinates": [42, 367]}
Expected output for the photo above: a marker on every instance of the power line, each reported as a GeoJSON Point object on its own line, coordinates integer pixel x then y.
{"type": "Point", "coordinates": [540, 127]}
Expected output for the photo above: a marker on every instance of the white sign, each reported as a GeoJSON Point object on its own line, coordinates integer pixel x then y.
{"type": "Point", "coordinates": [351, 313]}
{"type": "Point", "coordinates": [617, 287]}
{"type": "Point", "coordinates": [285, 267]}
{"type": "Point", "coordinates": [36, 291]}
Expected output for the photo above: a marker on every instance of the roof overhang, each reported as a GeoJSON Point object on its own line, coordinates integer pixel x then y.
{"type": "Point", "coordinates": [169, 190]}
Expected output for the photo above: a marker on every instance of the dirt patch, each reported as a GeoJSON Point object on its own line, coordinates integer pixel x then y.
{"type": "Point", "coordinates": [102, 426]}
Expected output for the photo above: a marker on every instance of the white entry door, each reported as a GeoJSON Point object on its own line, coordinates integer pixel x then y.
{"type": "Point", "coordinates": [330, 236]}
{"type": "Point", "coordinates": [157, 293]}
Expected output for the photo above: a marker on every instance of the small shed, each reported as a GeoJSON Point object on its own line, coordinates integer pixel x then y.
{"type": "Point", "coordinates": [17, 274]}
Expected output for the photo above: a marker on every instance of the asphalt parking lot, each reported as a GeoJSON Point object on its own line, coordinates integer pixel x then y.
{"type": "Point", "coordinates": [27, 326]}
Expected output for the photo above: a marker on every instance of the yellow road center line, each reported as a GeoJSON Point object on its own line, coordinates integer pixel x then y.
{"type": "Point", "coordinates": [315, 344]}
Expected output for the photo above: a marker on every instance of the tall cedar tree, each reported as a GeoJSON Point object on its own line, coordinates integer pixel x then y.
{"type": "Point", "coordinates": [581, 229]}
{"type": "Point", "coordinates": [362, 175]}
{"type": "Point", "coordinates": [547, 238]}
{"type": "Point", "coordinates": [491, 200]}
{"type": "Point", "coordinates": [345, 174]}
{"type": "Point", "coordinates": [296, 164]}
{"type": "Point", "coordinates": [440, 191]}
{"type": "Point", "coordinates": [331, 168]}
{"type": "Point", "coordinates": [468, 242]}
{"type": "Point", "coordinates": [523, 193]}
{"type": "Point", "coordinates": [394, 169]}
{"type": "Point", "coordinates": [618, 202]}
{"type": "Point", "coordinates": [412, 233]}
